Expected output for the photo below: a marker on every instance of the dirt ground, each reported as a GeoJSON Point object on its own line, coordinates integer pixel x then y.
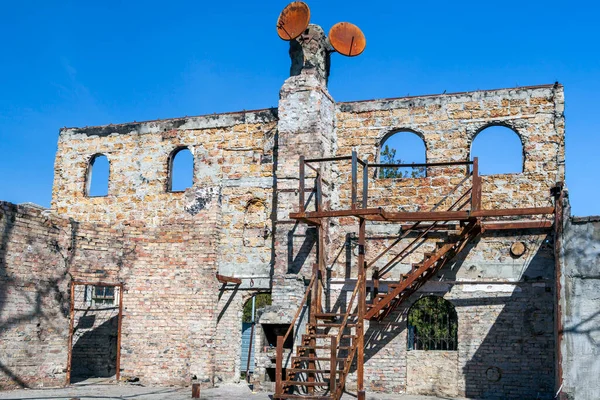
{"type": "Point", "coordinates": [96, 390]}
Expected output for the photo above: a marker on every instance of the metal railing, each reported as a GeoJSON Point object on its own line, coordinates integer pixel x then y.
{"type": "Point", "coordinates": [355, 162]}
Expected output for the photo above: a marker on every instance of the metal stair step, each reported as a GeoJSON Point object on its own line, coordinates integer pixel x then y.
{"type": "Point", "coordinates": [334, 325]}
{"type": "Point", "coordinates": [307, 347]}
{"type": "Point", "coordinates": [296, 358]}
{"type": "Point", "coordinates": [302, 383]}
{"type": "Point", "coordinates": [309, 370]}
{"type": "Point", "coordinates": [324, 335]}
{"type": "Point", "coordinates": [332, 315]}
{"type": "Point", "coordinates": [299, 396]}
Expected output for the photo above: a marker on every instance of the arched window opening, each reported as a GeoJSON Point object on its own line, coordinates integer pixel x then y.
{"type": "Point", "coordinates": [97, 176]}
{"type": "Point", "coordinates": [432, 325]}
{"type": "Point", "coordinates": [181, 170]}
{"type": "Point", "coordinates": [499, 151]}
{"type": "Point", "coordinates": [402, 147]}
{"type": "Point", "coordinates": [249, 315]}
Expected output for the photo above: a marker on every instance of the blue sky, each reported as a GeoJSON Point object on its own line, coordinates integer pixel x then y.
{"type": "Point", "coordinates": [74, 63]}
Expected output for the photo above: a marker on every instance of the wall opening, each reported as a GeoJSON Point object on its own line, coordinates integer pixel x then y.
{"type": "Point", "coordinates": [94, 332]}
{"type": "Point", "coordinates": [249, 315]}
{"type": "Point", "coordinates": [499, 150]}
{"type": "Point", "coordinates": [403, 147]}
{"type": "Point", "coordinates": [432, 325]}
{"type": "Point", "coordinates": [271, 332]}
{"type": "Point", "coordinates": [180, 170]}
{"type": "Point", "coordinates": [97, 176]}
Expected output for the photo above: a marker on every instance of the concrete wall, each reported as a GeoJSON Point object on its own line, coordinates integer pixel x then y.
{"type": "Point", "coordinates": [580, 308]}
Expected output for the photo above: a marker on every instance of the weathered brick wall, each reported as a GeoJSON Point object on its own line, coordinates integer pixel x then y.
{"type": "Point", "coordinates": [39, 255]}
{"type": "Point", "coordinates": [234, 220]}
{"type": "Point", "coordinates": [448, 124]}
{"type": "Point", "coordinates": [180, 240]}
{"type": "Point", "coordinates": [493, 291]}
{"type": "Point", "coordinates": [233, 163]}
{"type": "Point", "coordinates": [171, 317]}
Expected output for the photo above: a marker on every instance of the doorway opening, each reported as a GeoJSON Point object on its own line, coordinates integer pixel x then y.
{"type": "Point", "coordinates": [249, 315]}
{"type": "Point", "coordinates": [95, 331]}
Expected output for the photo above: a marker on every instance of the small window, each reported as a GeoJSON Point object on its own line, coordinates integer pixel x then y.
{"type": "Point", "coordinates": [181, 170]}
{"type": "Point", "coordinates": [432, 325]}
{"type": "Point", "coordinates": [97, 176]}
{"type": "Point", "coordinates": [100, 295]}
{"type": "Point", "coordinates": [499, 151]}
{"type": "Point", "coordinates": [402, 147]}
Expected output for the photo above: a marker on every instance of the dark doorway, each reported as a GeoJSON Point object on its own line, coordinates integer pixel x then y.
{"type": "Point", "coordinates": [95, 331]}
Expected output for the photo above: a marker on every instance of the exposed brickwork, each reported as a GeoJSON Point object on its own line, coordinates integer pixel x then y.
{"type": "Point", "coordinates": [166, 248]}
{"type": "Point", "coordinates": [39, 255]}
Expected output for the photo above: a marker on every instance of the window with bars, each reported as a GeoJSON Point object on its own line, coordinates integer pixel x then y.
{"type": "Point", "coordinates": [100, 295]}
{"type": "Point", "coordinates": [432, 325]}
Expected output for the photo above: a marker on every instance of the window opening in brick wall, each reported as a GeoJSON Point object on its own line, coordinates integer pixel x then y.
{"type": "Point", "coordinates": [100, 295]}
{"type": "Point", "coordinates": [403, 147]}
{"type": "Point", "coordinates": [96, 182]}
{"type": "Point", "coordinates": [432, 325]}
{"type": "Point", "coordinates": [181, 170]}
{"type": "Point", "coordinates": [499, 150]}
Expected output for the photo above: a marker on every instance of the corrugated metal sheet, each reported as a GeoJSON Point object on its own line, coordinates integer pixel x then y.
{"type": "Point", "coordinates": [246, 328]}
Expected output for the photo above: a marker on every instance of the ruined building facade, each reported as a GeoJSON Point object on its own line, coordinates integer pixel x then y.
{"type": "Point", "coordinates": [161, 251]}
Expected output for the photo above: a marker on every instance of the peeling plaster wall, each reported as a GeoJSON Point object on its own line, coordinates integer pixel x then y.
{"type": "Point", "coordinates": [581, 307]}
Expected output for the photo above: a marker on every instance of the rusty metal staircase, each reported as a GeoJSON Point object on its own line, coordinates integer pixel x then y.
{"type": "Point", "coordinates": [384, 303]}
{"type": "Point", "coordinates": [320, 365]}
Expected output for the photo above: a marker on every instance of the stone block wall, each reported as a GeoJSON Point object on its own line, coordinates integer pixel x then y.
{"type": "Point", "coordinates": [448, 124]}
{"type": "Point", "coordinates": [504, 303]}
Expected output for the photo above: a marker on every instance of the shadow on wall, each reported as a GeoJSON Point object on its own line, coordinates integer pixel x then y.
{"type": "Point", "coordinates": [95, 352]}
{"type": "Point", "coordinates": [515, 359]}
{"type": "Point", "coordinates": [38, 305]}
{"type": "Point", "coordinates": [308, 242]}
{"type": "Point", "coordinates": [506, 332]}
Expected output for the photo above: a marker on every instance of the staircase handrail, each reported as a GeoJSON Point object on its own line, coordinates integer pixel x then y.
{"type": "Point", "coordinates": [281, 340]}
{"type": "Point", "coordinates": [349, 308]}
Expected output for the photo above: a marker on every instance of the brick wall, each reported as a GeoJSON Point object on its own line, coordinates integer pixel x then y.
{"type": "Point", "coordinates": [170, 316]}
{"type": "Point", "coordinates": [167, 247]}
{"type": "Point", "coordinates": [39, 255]}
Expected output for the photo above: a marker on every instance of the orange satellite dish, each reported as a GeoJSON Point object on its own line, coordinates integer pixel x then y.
{"type": "Point", "coordinates": [347, 39]}
{"type": "Point", "coordinates": [293, 20]}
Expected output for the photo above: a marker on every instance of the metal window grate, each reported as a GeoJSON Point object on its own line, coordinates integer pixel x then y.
{"type": "Point", "coordinates": [432, 325]}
